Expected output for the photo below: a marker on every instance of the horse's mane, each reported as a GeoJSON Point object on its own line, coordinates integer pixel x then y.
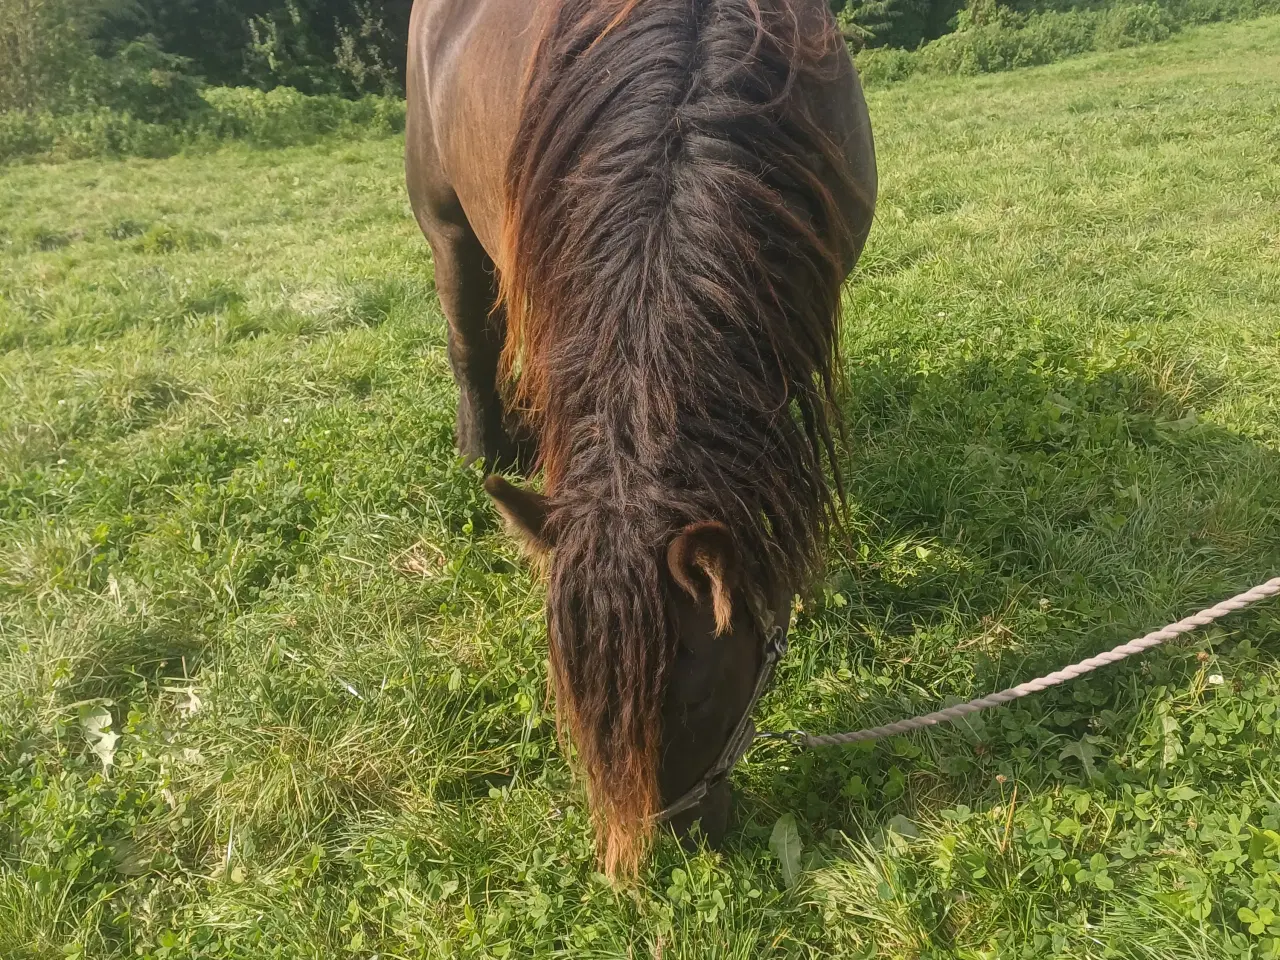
{"type": "Point", "coordinates": [672, 257]}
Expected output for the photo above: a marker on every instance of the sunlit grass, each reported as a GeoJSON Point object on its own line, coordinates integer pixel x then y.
{"type": "Point", "coordinates": [230, 512]}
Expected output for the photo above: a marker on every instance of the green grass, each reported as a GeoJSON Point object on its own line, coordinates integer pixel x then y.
{"type": "Point", "coordinates": [234, 536]}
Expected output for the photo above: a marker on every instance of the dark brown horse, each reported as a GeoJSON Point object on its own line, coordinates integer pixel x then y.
{"type": "Point", "coordinates": [642, 212]}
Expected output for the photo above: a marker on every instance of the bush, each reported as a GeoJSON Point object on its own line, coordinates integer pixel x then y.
{"type": "Point", "coordinates": [885, 65]}
{"type": "Point", "coordinates": [993, 38]}
{"type": "Point", "coordinates": [318, 46]}
{"type": "Point", "coordinates": [43, 43]}
{"type": "Point", "coordinates": [330, 46]}
{"type": "Point", "coordinates": [1007, 44]}
{"type": "Point", "coordinates": [1129, 25]}
{"type": "Point", "coordinates": [48, 65]}
{"type": "Point", "coordinates": [281, 117]}
{"type": "Point", "coordinates": [144, 81]}
{"type": "Point", "coordinates": [59, 101]}
{"type": "Point", "coordinates": [1211, 11]}
{"type": "Point", "coordinates": [895, 23]}
{"type": "Point", "coordinates": [106, 132]}
{"type": "Point", "coordinates": [24, 134]}
{"type": "Point", "coordinates": [368, 53]}
{"type": "Point", "coordinates": [87, 133]}
{"type": "Point", "coordinates": [284, 116]}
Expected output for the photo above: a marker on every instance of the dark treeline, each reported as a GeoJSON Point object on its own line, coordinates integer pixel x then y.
{"type": "Point", "coordinates": [345, 47]}
{"type": "Point", "coordinates": [152, 56]}
{"type": "Point", "coordinates": [357, 46]}
{"type": "Point", "coordinates": [151, 59]}
{"type": "Point", "coordinates": [316, 46]}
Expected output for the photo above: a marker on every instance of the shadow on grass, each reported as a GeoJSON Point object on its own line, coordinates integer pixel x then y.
{"type": "Point", "coordinates": [1010, 516]}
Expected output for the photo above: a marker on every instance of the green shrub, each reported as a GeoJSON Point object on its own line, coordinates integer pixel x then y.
{"type": "Point", "coordinates": [43, 43]}
{"type": "Point", "coordinates": [23, 134]}
{"type": "Point", "coordinates": [103, 131]}
{"type": "Point", "coordinates": [1212, 11]}
{"type": "Point", "coordinates": [284, 116]}
{"type": "Point", "coordinates": [885, 65]}
{"type": "Point", "coordinates": [87, 133]}
{"type": "Point", "coordinates": [144, 81]}
{"type": "Point", "coordinates": [48, 65]}
{"type": "Point", "coordinates": [895, 23]}
{"type": "Point", "coordinates": [1003, 45]}
{"type": "Point", "coordinates": [993, 38]}
{"type": "Point", "coordinates": [287, 50]}
{"type": "Point", "coordinates": [367, 52]}
{"type": "Point", "coordinates": [142, 101]}
{"type": "Point", "coordinates": [1131, 24]}
{"type": "Point", "coordinates": [319, 46]}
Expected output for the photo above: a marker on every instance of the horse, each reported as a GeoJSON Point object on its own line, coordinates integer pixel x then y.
{"type": "Point", "coordinates": [641, 215]}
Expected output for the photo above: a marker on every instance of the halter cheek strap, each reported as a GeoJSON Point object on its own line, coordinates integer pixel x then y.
{"type": "Point", "coordinates": [775, 647]}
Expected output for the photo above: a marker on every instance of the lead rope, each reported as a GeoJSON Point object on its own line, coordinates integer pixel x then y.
{"type": "Point", "coordinates": [1204, 617]}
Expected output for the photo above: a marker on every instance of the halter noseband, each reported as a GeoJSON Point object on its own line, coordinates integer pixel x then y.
{"type": "Point", "coordinates": [740, 738]}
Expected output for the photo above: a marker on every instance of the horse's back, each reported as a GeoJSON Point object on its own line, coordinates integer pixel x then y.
{"type": "Point", "coordinates": [467, 61]}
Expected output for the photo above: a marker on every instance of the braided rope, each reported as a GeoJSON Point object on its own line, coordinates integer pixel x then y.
{"type": "Point", "coordinates": [1269, 589]}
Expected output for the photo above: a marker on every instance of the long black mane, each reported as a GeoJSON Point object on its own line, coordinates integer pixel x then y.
{"type": "Point", "coordinates": [673, 250]}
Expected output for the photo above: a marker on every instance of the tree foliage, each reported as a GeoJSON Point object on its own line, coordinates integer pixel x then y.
{"type": "Point", "coordinates": [41, 42]}
{"type": "Point", "coordinates": [895, 23]}
{"type": "Point", "coordinates": [150, 57]}
{"type": "Point", "coordinates": [317, 46]}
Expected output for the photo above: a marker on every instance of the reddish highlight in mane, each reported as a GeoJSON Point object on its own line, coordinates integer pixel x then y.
{"type": "Point", "coordinates": [672, 252]}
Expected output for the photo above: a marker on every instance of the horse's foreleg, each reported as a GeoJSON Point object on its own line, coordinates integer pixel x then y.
{"type": "Point", "coordinates": [467, 288]}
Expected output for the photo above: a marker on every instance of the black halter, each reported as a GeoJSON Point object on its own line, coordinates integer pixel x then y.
{"type": "Point", "coordinates": [775, 647]}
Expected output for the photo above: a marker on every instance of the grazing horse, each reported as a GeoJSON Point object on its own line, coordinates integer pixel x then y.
{"type": "Point", "coordinates": [641, 214]}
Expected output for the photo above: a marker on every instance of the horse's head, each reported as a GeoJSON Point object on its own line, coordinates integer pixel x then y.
{"type": "Point", "coordinates": [657, 638]}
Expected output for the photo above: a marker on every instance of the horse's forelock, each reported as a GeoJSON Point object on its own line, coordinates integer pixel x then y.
{"type": "Point", "coordinates": [612, 641]}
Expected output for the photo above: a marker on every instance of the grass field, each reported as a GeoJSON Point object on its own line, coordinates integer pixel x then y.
{"type": "Point", "coordinates": [272, 680]}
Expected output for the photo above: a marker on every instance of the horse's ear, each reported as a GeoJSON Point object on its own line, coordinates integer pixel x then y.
{"type": "Point", "coordinates": [703, 560]}
{"type": "Point", "coordinates": [525, 512]}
